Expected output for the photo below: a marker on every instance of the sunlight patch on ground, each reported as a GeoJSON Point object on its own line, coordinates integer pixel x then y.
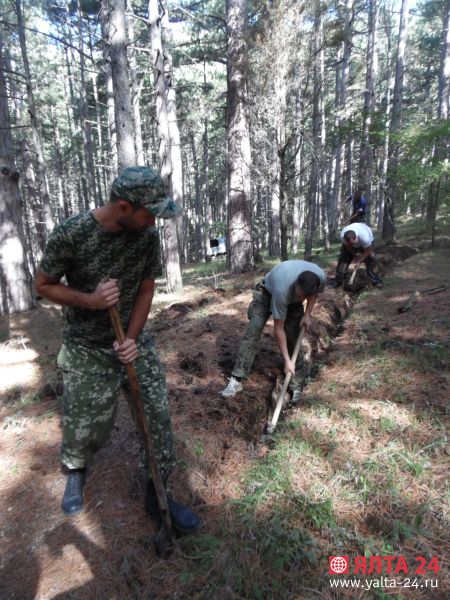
{"type": "Point", "coordinates": [18, 368]}
{"type": "Point", "coordinates": [65, 559]}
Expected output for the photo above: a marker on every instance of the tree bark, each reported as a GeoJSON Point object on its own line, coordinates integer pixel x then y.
{"type": "Point", "coordinates": [444, 71]}
{"type": "Point", "coordinates": [316, 132]}
{"type": "Point", "coordinates": [342, 176]}
{"type": "Point", "coordinates": [391, 190]}
{"type": "Point", "coordinates": [240, 241]}
{"type": "Point", "coordinates": [15, 288]}
{"type": "Point", "coordinates": [111, 111]}
{"type": "Point", "coordinates": [117, 41]}
{"type": "Point", "coordinates": [174, 131]}
{"type": "Point", "coordinates": [366, 153]}
{"type": "Point", "coordinates": [86, 133]}
{"type": "Point", "coordinates": [42, 190]}
{"type": "Point", "coordinates": [172, 256]}
{"type": "Point", "coordinates": [136, 89]}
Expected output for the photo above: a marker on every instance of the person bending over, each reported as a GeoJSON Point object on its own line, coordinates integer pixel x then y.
{"type": "Point", "coordinates": [357, 247]}
{"type": "Point", "coordinates": [280, 294]}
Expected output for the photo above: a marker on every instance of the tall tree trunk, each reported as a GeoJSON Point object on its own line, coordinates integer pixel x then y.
{"type": "Point", "coordinates": [444, 71]}
{"type": "Point", "coordinates": [297, 221]}
{"type": "Point", "coordinates": [62, 193]}
{"type": "Point", "coordinates": [391, 191]}
{"type": "Point", "coordinates": [316, 132]}
{"type": "Point", "coordinates": [207, 202]}
{"type": "Point", "coordinates": [323, 195]}
{"type": "Point", "coordinates": [86, 133]}
{"type": "Point", "coordinates": [239, 202]}
{"type": "Point", "coordinates": [102, 162]}
{"type": "Point", "coordinates": [117, 41]}
{"type": "Point", "coordinates": [42, 181]}
{"type": "Point", "coordinates": [283, 204]}
{"type": "Point", "coordinates": [172, 256]}
{"type": "Point", "coordinates": [274, 209]}
{"type": "Point", "coordinates": [366, 153]}
{"type": "Point", "coordinates": [73, 118]}
{"type": "Point", "coordinates": [15, 286]}
{"type": "Point", "coordinates": [342, 176]}
{"type": "Point", "coordinates": [174, 131]}
{"type": "Point", "coordinates": [440, 148]}
{"type": "Point", "coordinates": [206, 194]}
{"type": "Point", "coordinates": [136, 89]}
{"type": "Point", "coordinates": [199, 241]}
{"type": "Point", "coordinates": [112, 135]}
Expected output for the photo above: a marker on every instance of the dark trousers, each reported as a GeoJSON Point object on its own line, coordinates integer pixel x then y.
{"type": "Point", "coordinates": [258, 314]}
{"type": "Point", "coordinates": [344, 260]}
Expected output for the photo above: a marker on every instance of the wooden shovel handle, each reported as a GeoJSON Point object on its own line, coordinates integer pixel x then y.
{"type": "Point", "coordinates": [279, 406]}
{"type": "Point", "coordinates": [143, 427]}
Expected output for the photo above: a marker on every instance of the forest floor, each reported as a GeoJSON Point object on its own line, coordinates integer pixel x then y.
{"type": "Point", "coordinates": [359, 468]}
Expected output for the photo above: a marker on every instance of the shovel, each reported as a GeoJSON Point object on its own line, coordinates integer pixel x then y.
{"type": "Point", "coordinates": [165, 537]}
{"type": "Point", "coordinates": [352, 276]}
{"type": "Point", "coordinates": [276, 413]}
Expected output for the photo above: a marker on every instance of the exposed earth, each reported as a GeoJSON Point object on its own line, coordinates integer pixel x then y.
{"type": "Point", "coordinates": [364, 394]}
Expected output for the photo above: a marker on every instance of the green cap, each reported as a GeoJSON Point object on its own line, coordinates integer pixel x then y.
{"type": "Point", "coordinates": [145, 186]}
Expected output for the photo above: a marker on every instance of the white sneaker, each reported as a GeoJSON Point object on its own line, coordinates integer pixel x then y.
{"type": "Point", "coordinates": [234, 386]}
{"type": "Point", "coordinates": [296, 397]}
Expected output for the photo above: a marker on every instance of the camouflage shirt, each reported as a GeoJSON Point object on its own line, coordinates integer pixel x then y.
{"type": "Point", "coordinates": [82, 250]}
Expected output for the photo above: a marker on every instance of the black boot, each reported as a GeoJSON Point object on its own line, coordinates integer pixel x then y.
{"type": "Point", "coordinates": [72, 502]}
{"type": "Point", "coordinates": [183, 518]}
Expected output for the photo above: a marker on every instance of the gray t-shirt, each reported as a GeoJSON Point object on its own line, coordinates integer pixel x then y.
{"type": "Point", "coordinates": [280, 283]}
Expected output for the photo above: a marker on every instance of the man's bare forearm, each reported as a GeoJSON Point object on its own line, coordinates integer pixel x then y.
{"type": "Point", "coordinates": [106, 293]}
{"type": "Point", "coordinates": [141, 308]}
{"type": "Point", "coordinates": [64, 295]}
{"type": "Point", "coordinates": [280, 336]}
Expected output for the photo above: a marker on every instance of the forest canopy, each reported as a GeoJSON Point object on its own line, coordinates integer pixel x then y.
{"type": "Point", "coordinates": [262, 118]}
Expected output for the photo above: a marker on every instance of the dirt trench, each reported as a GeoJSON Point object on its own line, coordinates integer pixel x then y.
{"type": "Point", "coordinates": [217, 442]}
{"type": "Point", "coordinates": [201, 338]}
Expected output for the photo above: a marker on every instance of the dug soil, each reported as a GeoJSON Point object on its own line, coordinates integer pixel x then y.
{"type": "Point", "coordinates": [106, 552]}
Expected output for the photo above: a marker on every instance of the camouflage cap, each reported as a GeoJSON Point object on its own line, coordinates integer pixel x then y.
{"type": "Point", "coordinates": [145, 186]}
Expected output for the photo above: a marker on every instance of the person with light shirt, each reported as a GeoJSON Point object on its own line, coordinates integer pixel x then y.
{"type": "Point", "coordinates": [357, 247]}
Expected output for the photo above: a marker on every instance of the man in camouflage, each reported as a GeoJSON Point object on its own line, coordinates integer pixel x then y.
{"type": "Point", "coordinates": [110, 257]}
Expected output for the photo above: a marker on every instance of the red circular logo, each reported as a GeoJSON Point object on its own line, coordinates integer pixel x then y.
{"type": "Point", "coordinates": [338, 564]}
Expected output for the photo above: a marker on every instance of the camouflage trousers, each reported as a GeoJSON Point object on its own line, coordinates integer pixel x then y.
{"type": "Point", "coordinates": [93, 378]}
{"type": "Point", "coordinates": [258, 314]}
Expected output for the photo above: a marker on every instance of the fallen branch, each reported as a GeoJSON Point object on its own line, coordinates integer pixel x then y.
{"type": "Point", "coordinates": [416, 295]}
